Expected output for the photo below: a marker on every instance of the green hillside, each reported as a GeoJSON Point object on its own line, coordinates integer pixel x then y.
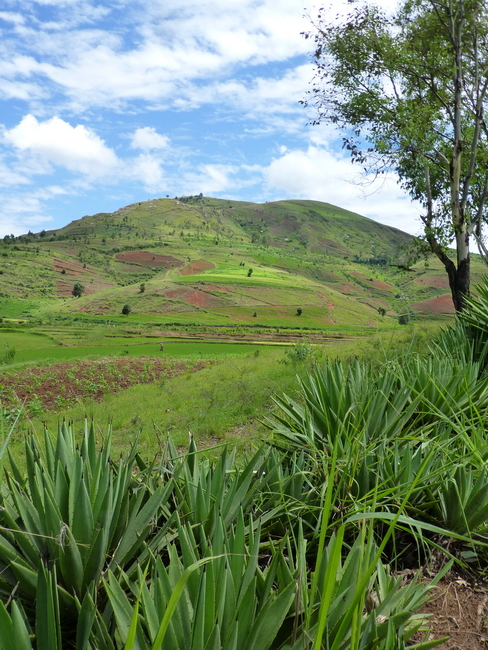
{"type": "Point", "coordinates": [214, 261]}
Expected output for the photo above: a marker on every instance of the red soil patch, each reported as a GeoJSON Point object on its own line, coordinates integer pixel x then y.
{"type": "Point", "coordinates": [360, 276]}
{"type": "Point", "coordinates": [330, 304]}
{"type": "Point", "coordinates": [149, 259]}
{"type": "Point", "coordinates": [439, 305]}
{"type": "Point", "coordinates": [76, 273]}
{"type": "Point", "coordinates": [212, 287]}
{"type": "Point", "coordinates": [197, 267]}
{"type": "Point", "coordinates": [62, 384]}
{"type": "Point", "coordinates": [349, 288]}
{"type": "Point", "coordinates": [437, 281]}
{"type": "Point", "coordinates": [196, 298]}
{"type": "Point", "coordinates": [65, 287]}
{"type": "Point", "coordinates": [125, 267]}
{"type": "Point", "coordinates": [379, 284]}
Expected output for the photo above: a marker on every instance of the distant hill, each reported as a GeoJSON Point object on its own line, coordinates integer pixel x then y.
{"type": "Point", "coordinates": [199, 259]}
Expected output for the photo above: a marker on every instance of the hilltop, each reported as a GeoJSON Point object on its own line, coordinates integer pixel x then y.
{"type": "Point", "coordinates": [214, 261]}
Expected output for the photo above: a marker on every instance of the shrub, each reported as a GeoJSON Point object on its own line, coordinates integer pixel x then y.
{"type": "Point", "coordinates": [126, 310]}
{"type": "Point", "coordinates": [78, 290]}
{"type": "Point", "coordinates": [9, 354]}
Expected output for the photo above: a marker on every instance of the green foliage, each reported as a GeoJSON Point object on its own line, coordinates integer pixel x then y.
{"type": "Point", "coordinates": [78, 290]}
{"type": "Point", "coordinates": [467, 339]}
{"type": "Point", "coordinates": [187, 553]}
{"type": "Point", "coordinates": [126, 310]}
{"type": "Point", "coordinates": [301, 352]}
{"type": "Point", "coordinates": [9, 355]}
{"type": "Point", "coordinates": [401, 89]}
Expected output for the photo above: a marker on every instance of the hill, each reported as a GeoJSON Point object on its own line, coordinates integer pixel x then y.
{"type": "Point", "coordinates": [220, 262]}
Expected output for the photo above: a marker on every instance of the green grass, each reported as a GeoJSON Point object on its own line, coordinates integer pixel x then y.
{"type": "Point", "coordinates": [14, 308]}
{"type": "Point", "coordinates": [129, 348]}
{"type": "Point", "coordinates": [224, 402]}
{"type": "Point", "coordinates": [25, 341]}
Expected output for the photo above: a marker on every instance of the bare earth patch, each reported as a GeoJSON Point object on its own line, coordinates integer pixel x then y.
{"type": "Point", "coordinates": [149, 259]}
{"type": "Point", "coordinates": [197, 267]}
{"type": "Point", "coordinates": [196, 298]}
{"type": "Point", "coordinates": [439, 305]}
{"type": "Point", "coordinates": [62, 384]}
{"type": "Point", "coordinates": [75, 272]}
{"type": "Point", "coordinates": [458, 610]}
{"type": "Point", "coordinates": [437, 281]}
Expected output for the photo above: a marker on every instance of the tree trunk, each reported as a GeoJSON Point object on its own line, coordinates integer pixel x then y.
{"type": "Point", "coordinates": [459, 283]}
{"type": "Point", "coordinates": [459, 276]}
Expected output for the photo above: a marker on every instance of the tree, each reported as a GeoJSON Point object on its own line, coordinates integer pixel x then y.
{"type": "Point", "coordinates": [142, 287]}
{"type": "Point", "coordinates": [299, 311]}
{"type": "Point", "coordinates": [126, 310]}
{"type": "Point", "coordinates": [249, 273]}
{"type": "Point", "coordinates": [78, 290]}
{"type": "Point", "coordinates": [409, 93]}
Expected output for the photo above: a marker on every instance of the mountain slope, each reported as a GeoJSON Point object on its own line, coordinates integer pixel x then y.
{"type": "Point", "coordinates": [215, 260]}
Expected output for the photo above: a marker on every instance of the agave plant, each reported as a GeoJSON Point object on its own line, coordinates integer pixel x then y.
{"type": "Point", "coordinates": [78, 513]}
{"type": "Point", "coordinates": [343, 403]}
{"type": "Point", "coordinates": [188, 553]}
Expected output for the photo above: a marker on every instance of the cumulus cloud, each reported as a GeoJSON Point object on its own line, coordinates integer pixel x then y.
{"type": "Point", "coordinates": [147, 169]}
{"type": "Point", "coordinates": [147, 138]}
{"type": "Point", "coordinates": [55, 141]}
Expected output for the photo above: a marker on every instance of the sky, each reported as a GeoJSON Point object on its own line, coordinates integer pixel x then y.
{"type": "Point", "coordinates": [103, 104]}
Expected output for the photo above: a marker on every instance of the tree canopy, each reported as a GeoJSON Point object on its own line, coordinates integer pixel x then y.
{"type": "Point", "coordinates": [408, 91]}
{"type": "Point", "coordinates": [78, 290]}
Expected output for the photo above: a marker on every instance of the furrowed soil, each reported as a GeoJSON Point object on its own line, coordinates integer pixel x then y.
{"type": "Point", "coordinates": [62, 384]}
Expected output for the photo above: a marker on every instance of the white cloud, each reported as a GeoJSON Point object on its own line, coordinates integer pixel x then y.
{"type": "Point", "coordinates": [147, 138]}
{"type": "Point", "coordinates": [174, 47]}
{"type": "Point", "coordinates": [55, 141]}
{"type": "Point", "coordinates": [11, 17]}
{"type": "Point", "coordinates": [20, 213]}
{"type": "Point", "coordinates": [209, 179]}
{"type": "Point", "coordinates": [321, 175]}
{"type": "Point", "coordinates": [146, 168]}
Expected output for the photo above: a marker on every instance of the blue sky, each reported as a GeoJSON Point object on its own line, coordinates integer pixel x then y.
{"type": "Point", "coordinates": [111, 102]}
